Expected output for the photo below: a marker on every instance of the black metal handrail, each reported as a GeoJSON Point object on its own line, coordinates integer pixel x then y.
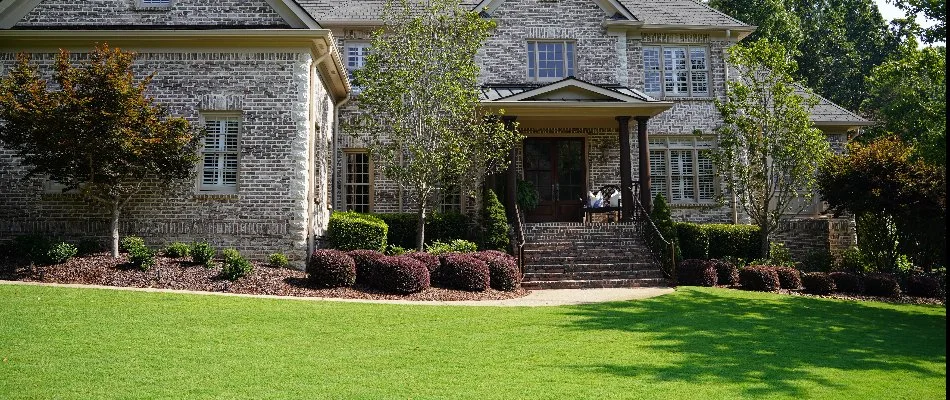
{"type": "Point", "coordinates": [662, 250]}
{"type": "Point", "coordinates": [519, 241]}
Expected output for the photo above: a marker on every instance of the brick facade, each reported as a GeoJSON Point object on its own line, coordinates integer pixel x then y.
{"type": "Point", "coordinates": [235, 13]}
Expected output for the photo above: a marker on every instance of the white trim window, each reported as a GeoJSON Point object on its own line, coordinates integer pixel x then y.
{"type": "Point", "coordinates": [220, 154]}
{"type": "Point", "coordinates": [450, 199]}
{"type": "Point", "coordinates": [676, 71]}
{"type": "Point", "coordinates": [358, 181]}
{"type": "Point", "coordinates": [550, 60]}
{"type": "Point", "coordinates": [356, 54]}
{"type": "Point", "coordinates": [682, 170]}
{"type": "Point", "coordinates": [153, 3]}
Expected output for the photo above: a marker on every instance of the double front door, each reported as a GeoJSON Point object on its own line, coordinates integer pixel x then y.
{"type": "Point", "coordinates": [556, 168]}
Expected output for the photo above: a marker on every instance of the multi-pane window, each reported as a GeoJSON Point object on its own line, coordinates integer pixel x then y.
{"type": "Point", "coordinates": [681, 169]}
{"type": "Point", "coordinates": [550, 60]}
{"type": "Point", "coordinates": [450, 199]}
{"type": "Point", "coordinates": [154, 3]}
{"type": "Point", "coordinates": [357, 183]}
{"type": "Point", "coordinates": [356, 54]}
{"type": "Point", "coordinates": [219, 155]}
{"type": "Point", "coordinates": [676, 71]}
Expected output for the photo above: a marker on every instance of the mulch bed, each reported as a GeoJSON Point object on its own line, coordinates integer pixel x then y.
{"type": "Point", "coordinates": [902, 299]}
{"type": "Point", "coordinates": [170, 273]}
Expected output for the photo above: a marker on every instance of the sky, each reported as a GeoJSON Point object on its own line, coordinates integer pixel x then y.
{"type": "Point", "coordinates": [890, 11]}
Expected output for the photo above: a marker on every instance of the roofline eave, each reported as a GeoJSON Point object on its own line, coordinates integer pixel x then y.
{"type": "Point", "coordinates": [557, 108]}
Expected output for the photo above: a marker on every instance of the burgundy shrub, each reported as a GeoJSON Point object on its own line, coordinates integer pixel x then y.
{"type": "Point", "coordinates": [846, 282]}
{"type": "Point", "coordinates": [401, 274]}
{"type": "Point", "coordinates": [789, 278]}
{"type": "Point", "coordinates": [923, 286]}
{"type": "Point", "coordinates": [365, 265]}
{"type": "Point", "coordinates": [503, 270]}
{"type": "Point", "coordinates": [331, 268]}
{"type": "Point", "coordinates": [431, 261]}
{"type": "Point", "coordinates": [761, 278]}
{"type": "Point", "coordinates": [818, 283]}
{"type": "Point", "coordinates": [465, 272]}
{"type": "Point", "coordinates": [695, 272]}
{"type": "Point", "coordinates": [884, 285]}
{"type": "Point", "coordinates": [727, 273]}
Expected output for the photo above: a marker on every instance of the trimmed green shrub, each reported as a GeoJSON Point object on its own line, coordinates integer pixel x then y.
{"type": "Point", "coordinates": [854, 260]}
{"type": "Point", "coordinates": [923, 286]}
{"type": "Point", "coordinates": [401, 274]}
{"type": "Point", "coordinates": [883, 285]}
{"type": "Point", "coordinates": [818, 261]}
{"type": "Point", "coordinates": [818, 283]}
{"type": "Point", "coordinates": [443, 227]}
{"type": "Point", "coordinates": [847, 282]}
{"type": "Point", "coordinates": [141, 257]}
{"type": "Point", "coordinates": [663, 219]}
{"type": "Point", "coordinates": [402, 228]}
{"type": "Point", "coordinates": [365, 263]}
{"type": "Point", "coordinates": [493, 226]}
{"type": "Point", "coordinates": [456, 246]}
{"type": "Point", "coordinates": [331, 268]}
{"type": "Point", "coordinates": [503, 270]}
{"type": "Point", "coordinates": [432, 263]}
{"type": "Point", "coordinates": [728, 240]}
{"type": "Point", "coordinates": [235, 266]}
{"type": "Point", "coordinates": [694, 272]}
{"type": "Point", "coordinates": [61, 252]}
{"type": "Point", "coordinates": [130, 242]}
{"type": "Point", "coordinates": [393, 250]}
{"type": "Point", "coordinates": [178, 250]}
{"type": "Point", "coordinates": [788, 277]}
{"type": "Point", "coordinates": [465, 272]}
{"type": "Point", "coordinates": [32, 247]}
{"type": "Point", "coordinates": [202, 253]}
{"type": "Point", "coordinates": [760, 278]}
{"type": "Point", "coordinates": [89, 246]}
{"type": "Point", "coordinates": [692, 240]}
{"type": "Point", "coordinates": [278, 260]}
{"type": "Point", "coordinates": [727, 273]}
{"type": "Point", "coordinates": [349, 230]}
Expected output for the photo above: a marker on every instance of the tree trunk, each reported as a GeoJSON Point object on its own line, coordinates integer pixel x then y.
{"type": "Point", "coordinates": [115, 229]}
{"type": "Point", "coordinates": [421, 226]}
{"type": "Point", "coordinates": [764, 241]}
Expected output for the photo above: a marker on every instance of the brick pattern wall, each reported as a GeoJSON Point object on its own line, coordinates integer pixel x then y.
{"type": "Point", "coordinates": [806, 236]}
{"type": "Point", "coordinates": [271, 93]}
{"type": "Point", "coordinates": [128, 12]}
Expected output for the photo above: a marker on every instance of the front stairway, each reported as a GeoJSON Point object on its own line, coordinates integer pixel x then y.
{"type": "Point", "coordinates": [566, 255]}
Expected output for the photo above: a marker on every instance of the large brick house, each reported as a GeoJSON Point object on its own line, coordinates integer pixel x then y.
{"type": "Point", "coordinates": [606, 92]}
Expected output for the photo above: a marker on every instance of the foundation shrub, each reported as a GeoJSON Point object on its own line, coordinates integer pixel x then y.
{"type": "Point", "coordinates": [503, 270]}
{"type": "Point", "coordinates": [401, 274]}
{"type": "Point", "coordinates": [727, 240]}
{"type": "Point", "coordinates": [918, 285]}
{"type": "Point", "coordinates": [141, 257]}
{"type": "Point", "coordinates": [694, 272]}
{"type": "Point", "coordinates": [847, 282]}
{"type": "Point", "coordinates": [817, 283]}
{"type": "Point", "coordinates": [760, 278]}
{"type": "Point", "coordinates": [726, 272]}
{"type": "Point", "coordinates": [32, 247]}
{"type": "Point", "coordinates": [493, 224]}
{"type": "Point", "coordinates": [692, 240]}
{"type": "Point", "coordinates": [61, 252]}
{"type": "Point", "coordinates": [365, 263]}
{"type": "Point", "coordinates": [202, 253]}
{"type": "Point", "coordinates": [465, 272]}
{"type": "Point", "coordinates": [432, 263]}
{"type": "Point", "coordinates": [278, 260]}
{"type": "Point", "coordinates": [131, 242]}
{"type": "Point", "coordinates": [788, 277]}
{"type": "Point", "coordinates": [235, 266]}
{"type": "Point", "coordinates": [178, 250]}
{"type": "Point", "coordinates": [883, 285]}
{"type": "Point", "coordinates": [331, 268]}
{"type": "Point", "coordinates": [443, 227]}
{"type": "Point", "coordinates": [455, 246]}
{"type": "Point", "coordinates": [349, 230]}
{"type": "Point", "coordinates": [89, 246]}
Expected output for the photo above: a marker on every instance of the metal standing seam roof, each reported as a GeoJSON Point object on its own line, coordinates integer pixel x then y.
{"type": "Point", "coordinates": [502, 92]}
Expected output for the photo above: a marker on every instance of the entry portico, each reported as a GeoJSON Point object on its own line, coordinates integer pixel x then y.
{"type": "Point", "coordinates": [555, 152]}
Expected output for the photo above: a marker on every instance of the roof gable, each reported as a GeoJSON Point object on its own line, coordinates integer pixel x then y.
{"type": "Point", "coordinates": [568, 89]}
{"type": "Point", "coordinates": [129, 14]}
{"type": "Point", "coordinates": [611, 8]}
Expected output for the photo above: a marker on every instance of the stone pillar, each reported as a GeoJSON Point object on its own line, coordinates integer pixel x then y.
{"type": "Point", "coordinates": [511, 191]}
{"type": "Point", "coordinates": [643, 144]}
{"type": "Point", "coordinates": [626, 167]}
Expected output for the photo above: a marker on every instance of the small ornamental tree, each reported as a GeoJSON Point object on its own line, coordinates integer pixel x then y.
{"type": "Point", "coordinates": [419, 104]}
{"type": "Point", "coordinates": [95, 130]}
{"type": "Point", "coordinates": [768, 150]}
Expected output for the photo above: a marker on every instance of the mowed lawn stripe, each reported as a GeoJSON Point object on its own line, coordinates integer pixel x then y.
{"type": "Point", "coordinates": [694, 343]}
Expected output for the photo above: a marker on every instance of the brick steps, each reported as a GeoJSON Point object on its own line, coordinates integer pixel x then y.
{"type": "Point", "coordinates": [577, 256]}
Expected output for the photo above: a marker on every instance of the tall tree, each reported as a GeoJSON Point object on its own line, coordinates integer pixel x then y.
{"type": "Point", "coordinates": [933, 10]}
{"type": "Point", "coordinates": [419, 104]}
{"type": "Point", "coordinates": [908, 96]}
{"type": "Point", "coordinates": [774, 19]}
{"type": "Point", "coordinates": [97, 131]}
{"type": "Point", "coordinates": [769, 150]}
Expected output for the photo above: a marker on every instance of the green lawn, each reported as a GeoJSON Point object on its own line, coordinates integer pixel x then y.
{"type": "Point", "coordinates": [693, 344]}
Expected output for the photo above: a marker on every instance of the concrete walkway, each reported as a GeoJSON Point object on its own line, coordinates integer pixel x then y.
{"type": "Point", "coordinates": [537, 298]}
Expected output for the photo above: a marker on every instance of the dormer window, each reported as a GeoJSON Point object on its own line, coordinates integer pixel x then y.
{"type": "Point", "coordinates": [550, 60]}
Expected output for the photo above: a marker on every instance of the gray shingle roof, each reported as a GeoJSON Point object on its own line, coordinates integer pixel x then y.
{"type": "Point", "coordinates": [678, 12]}
{"type": "Point", "coordinates": [827, 112]}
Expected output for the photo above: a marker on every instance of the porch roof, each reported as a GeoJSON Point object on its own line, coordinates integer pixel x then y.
{"type": "Point", "coordinates": [571, 98]}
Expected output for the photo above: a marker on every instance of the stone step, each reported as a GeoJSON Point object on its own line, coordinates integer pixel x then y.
{"type": "Point", "coordinates": [591, 284]}
{"type": "Point", "coordinates": [591, 267]}
{"type": "Point", "coordinates": [591, 275]}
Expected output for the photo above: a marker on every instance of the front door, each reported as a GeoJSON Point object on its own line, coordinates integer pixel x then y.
{"type": "Point", "coordinates": [556, 168]}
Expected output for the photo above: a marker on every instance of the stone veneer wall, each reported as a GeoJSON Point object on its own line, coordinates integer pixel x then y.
{"type": "Point", "coordinates": [806, 236]}
{"type": "Point", "coordinates": [270, 210]}
{"type": "Point", "coordinates": [127, 12]}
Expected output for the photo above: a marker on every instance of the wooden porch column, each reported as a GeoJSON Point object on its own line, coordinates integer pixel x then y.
{"type": "Point", "coordinates": [626, 182]}
{"type": "Point", "coordinates": [511, 190]}
{"type": "Point", "coordinates": [643, 144]}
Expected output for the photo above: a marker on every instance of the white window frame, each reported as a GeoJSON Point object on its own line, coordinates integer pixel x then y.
{"type": "Point", "coordinates": [569, 63]}
{"type": "Point", "coordinates": [362, 48]}
{"type": "Point", "coordinates": [696, 146]}
{"type": "Point", "coordinates": [347, 185]}
{"type": "Point", "coordinates": [153, 4]}
{"type": "Point", "coordinates": [221, 151]}
{"type": "Point", "coordinates": [690, 71]}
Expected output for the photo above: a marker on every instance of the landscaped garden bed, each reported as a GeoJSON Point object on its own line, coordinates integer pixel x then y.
{"type": "Point", "coordinates": [182, 274]}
